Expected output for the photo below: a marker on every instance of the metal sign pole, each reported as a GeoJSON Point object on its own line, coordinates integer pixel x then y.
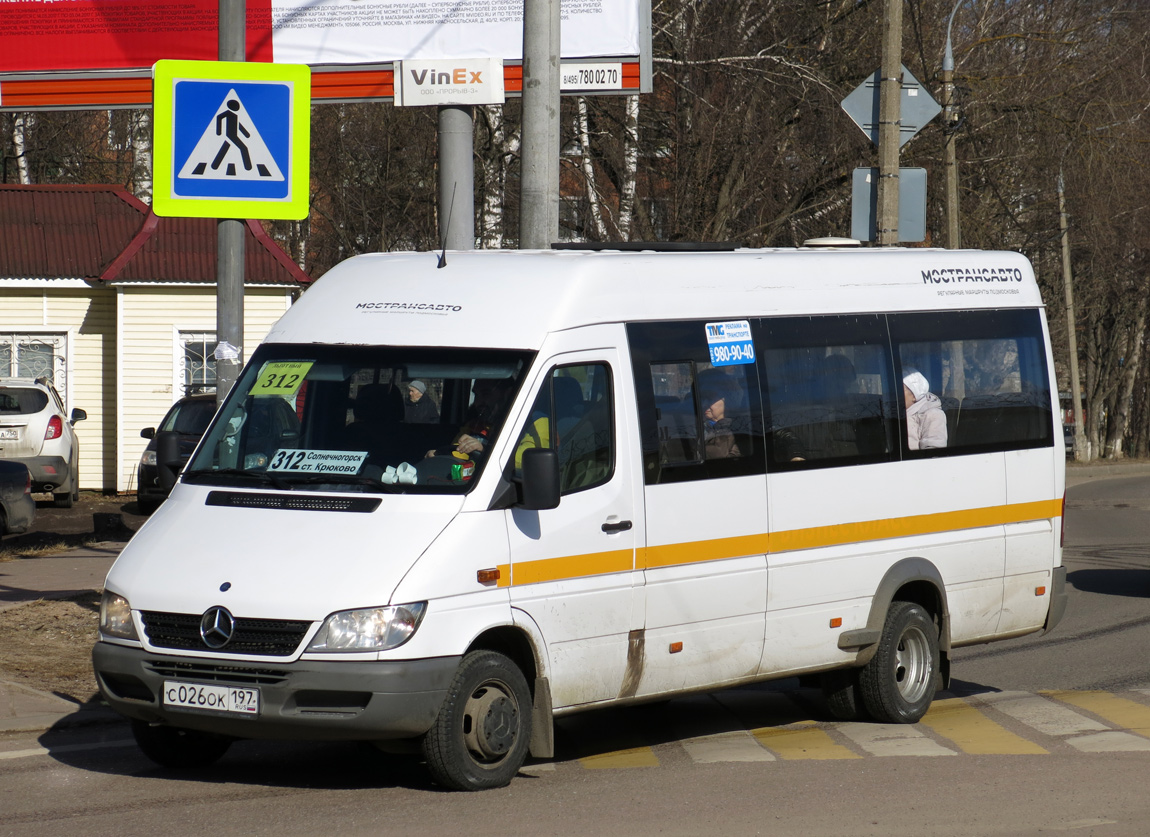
{"type": "Point", "coordinates": [456, 177]}
{"type": "Point", "coordinates": [539, 190]}
{"type": "Point", "coordinates": [229, 354]}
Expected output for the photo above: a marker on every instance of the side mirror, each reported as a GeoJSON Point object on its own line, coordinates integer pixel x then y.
{"type": "Point", "coordinates": [540, 479]}
{"type": "Point", "coordinates": [168, 458]}
{"type": "Point", "coordinates": [148, 433]}
{"type": "Point", "coordinates": [78, 415]}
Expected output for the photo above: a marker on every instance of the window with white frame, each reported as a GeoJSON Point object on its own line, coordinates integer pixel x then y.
{"type": "Point", "coordinates": [27, 355]}
{"type": "Point", "coordinates": [198, 366]}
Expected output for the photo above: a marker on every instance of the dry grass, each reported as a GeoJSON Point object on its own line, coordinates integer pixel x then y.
{"type": "Point", "coordinates": [38, 547]}
{"type": "Point", "coordinates": [47, 645]}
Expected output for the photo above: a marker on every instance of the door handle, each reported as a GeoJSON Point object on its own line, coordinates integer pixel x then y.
{"type": "Point", "coordinates": [617, 526]}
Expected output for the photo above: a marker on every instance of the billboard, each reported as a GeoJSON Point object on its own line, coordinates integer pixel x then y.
{"type": "Point", "coordinates": [51, 47]}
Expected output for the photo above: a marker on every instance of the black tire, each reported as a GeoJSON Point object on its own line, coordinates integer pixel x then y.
{"type": "Point", "coordinates": [147, 506]}
{"type": "Point", "coordinates": [179, 748]}
{"type": "Point", "coordinates": [843, 695]}
{"type": "Point", "coordinates": [67, 499]}
{"type": "Point", "coordinates": [899, 682]}
{"type": "Point", "coordinates": [481, 736]}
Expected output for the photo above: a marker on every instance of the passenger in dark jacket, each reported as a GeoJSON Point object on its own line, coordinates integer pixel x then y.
{"type": "Point", "coordinates": [418, 408]}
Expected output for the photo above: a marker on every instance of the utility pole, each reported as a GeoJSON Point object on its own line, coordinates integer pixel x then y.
{"type": "Point", "coordinates": [229, 353]}
{"type": "Point", "coordinates": [456, 177]}
{"type": "Point", "coordinates": [890, 122]}
{"type": "Point", "coordinates": [1081, 446]}
{"type": "Point", "coordinates": [950, 125]}
{"type": "Point", "coordinates": [539, 189]}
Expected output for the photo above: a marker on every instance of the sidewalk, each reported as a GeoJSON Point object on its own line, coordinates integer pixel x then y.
{"type": "Point", "coordinates": [23, 709]}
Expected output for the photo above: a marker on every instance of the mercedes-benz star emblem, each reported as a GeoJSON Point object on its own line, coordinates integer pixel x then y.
{"type": "Point", "coordinates": [216, 627]}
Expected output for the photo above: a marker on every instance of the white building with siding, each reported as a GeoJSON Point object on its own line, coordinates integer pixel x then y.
{"type": "Point", "coordinates": [118, 308]}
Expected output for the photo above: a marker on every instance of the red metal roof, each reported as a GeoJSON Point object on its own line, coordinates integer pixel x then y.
{"type": "Point", "coordinates": [105, 233]}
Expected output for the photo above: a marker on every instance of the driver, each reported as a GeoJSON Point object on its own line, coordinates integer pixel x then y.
{"type": "Point", "coordinates": [490, 400]}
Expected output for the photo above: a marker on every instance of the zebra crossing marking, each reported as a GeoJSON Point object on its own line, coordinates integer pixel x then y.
{"type": "Point", "coordinates": [972, 732]}
{"type": "Point", "coordinates": [802, 741]}
{"type": "Point", "coordinates": [735, 746]}
{"type": "Point", "coordinates": [633, 757]}
{"type": "Point", "coordinates": [892, 740]}
{"type": "Point", "coordinates": [1090, 722]}
{"type": "Point", "coordinates": [1126, 713]}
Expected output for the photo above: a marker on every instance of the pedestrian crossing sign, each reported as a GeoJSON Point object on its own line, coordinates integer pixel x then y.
{"type": "Point", "coordinates": [231, 139]}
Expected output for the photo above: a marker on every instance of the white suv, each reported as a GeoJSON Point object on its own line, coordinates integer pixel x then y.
{"type": "Point", "coordinates": [35, 430]}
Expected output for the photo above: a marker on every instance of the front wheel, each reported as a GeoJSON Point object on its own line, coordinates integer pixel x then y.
{"type": "Point", "coordinates": [179, 748]}
{"type": "Point", "coordinates": [480, 738]}
{"type": "Point", "coordinates": [899, 682]}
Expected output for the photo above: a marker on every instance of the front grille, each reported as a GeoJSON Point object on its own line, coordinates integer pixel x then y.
{"type": "Point", "coordinates": [265, 637]}
{"type": "Point", "coordinates": [214, 673]}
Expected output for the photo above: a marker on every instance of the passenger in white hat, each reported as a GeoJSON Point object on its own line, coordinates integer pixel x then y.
{"type": "Point", "coordinates": [925, 420]}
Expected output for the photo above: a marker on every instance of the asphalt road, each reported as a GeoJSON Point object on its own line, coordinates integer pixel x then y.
{"type": "Point", "coordinates": [1043, 735]}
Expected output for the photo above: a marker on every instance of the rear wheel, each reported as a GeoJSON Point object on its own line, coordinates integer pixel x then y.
{"type": "Point", "coordinates": [179, 748]}
{"type": "Point", "coordinates": [481, 736]}
{"type": "Point", "coordinates": [899, 682]}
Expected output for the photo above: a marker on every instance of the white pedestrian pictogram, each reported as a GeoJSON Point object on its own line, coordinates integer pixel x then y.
{"type": "Point", "coordinates": [231, 148]}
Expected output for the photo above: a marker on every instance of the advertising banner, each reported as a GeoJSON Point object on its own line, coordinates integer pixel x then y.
{"type": "Point", "coordinates": [462, 81]}
{"type": "Point", "coordinates": [48, 35]}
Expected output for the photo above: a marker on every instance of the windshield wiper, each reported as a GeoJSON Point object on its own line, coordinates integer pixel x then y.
{"type": "Point", "coordinates": [254, 476]}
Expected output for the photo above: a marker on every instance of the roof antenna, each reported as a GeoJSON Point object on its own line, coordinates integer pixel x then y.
{"type": "Point", "coordinates": [443, 254]}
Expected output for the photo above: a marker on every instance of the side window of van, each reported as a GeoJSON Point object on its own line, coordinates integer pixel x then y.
{"type": "Point", "coordinates": [988, 372]}
{"type": "Point", "coordinates": [698, 420]}
{"type": "Point", "coordinates": [573, 412]}
{"type": "Point", "coordinates": [830, 397]}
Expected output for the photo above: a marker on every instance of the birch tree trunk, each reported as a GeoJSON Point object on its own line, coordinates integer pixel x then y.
{"type": "Point", "coordinates": [630, 167]}
{"type": "Point", "coordinates": [593, 203]}
{"type": "Point", "coordinates": [504, 146]}
{"type": "Point", "coordinates": [22, 123]}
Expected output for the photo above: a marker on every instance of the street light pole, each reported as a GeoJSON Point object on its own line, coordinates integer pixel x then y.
{"type": "Point", "coordinates": [890, 123]}
{"type": "Point", "coordinates": [950, 118]}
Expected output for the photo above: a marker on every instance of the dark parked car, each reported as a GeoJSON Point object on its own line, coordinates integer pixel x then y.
{"type": "Point", "coordinates": [17, 508]}
{"type": "Point", "coordinates": [189, 417]}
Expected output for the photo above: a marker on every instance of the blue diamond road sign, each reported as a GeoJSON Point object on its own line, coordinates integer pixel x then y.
{"type": "Point", "coordinates": [916, 107]}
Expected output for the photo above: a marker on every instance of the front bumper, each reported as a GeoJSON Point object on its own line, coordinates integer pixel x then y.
{"type": "Point", "coordinates": [331, 701]}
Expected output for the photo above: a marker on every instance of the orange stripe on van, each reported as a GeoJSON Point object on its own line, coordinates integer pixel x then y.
{"type": "Point", "coordinates": [571, 566]}
{"type": "Point", "coordinates": [674, 554]}
{"type": "Point", "coordinates": [919, 524]}
{"type": "Point", "coordinates": [698, 552]}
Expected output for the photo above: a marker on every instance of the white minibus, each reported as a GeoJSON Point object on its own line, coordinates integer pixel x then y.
{"type": "Point", "coordinates": [635, 474]}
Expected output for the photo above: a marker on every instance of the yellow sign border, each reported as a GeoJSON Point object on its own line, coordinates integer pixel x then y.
{"type": "Point", "coordinates": [165, 74]}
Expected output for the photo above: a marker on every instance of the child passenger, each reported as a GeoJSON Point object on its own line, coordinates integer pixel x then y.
{"type": "Point", "coordinates": [925, 420]}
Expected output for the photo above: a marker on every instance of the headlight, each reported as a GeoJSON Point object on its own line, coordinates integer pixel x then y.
{"type": "Point", "coordinates": [371, 629]}
{"type": "Point", "coordinates": [116, 617]}
{"type": "Point", "coordinates": [149, 458]}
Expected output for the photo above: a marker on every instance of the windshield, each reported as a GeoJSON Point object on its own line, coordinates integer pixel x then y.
{"type": "Point", "coordinates": [354, 418]}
